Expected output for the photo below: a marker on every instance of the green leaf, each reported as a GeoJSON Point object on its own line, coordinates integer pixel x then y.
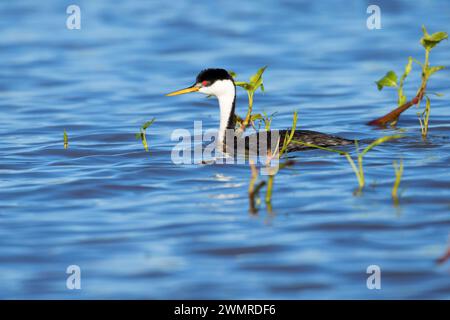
{"type": "Point", "coordinates": [244, 85]}
{"type": "Point", "coordinates": [148, 124]}
{"type": "Point", "coordinates": [424, 30]}
{"type": "Point", "coordinates": [258, 75]}
{"type": "Point", "coordinates": [256, 116]}
{"type": "Point", "coordinates": [418, 62]}
{"type": "Point", "coordinates": [142, 136]}
{"type": "Point", "coordinates": [429, 41]}
{"type": "Point", "coordinates": [380, 141]}
{"type": "Point", "coordinates": [389, 80]}
{"type": "Point", "coordinates": [438, 36]}
{"type": "Point", "coordinates": [232, 74]}
{"type": "Point", "coordinates": [306, 144]}
{"type": "Point", "coordinates": [256, 80]}
{"type": "Point", "coordinates": [408, 68]}
{"type": "Point", "coordinates": [401, 96]}
{"type": "Point", "coordinates": [432, 70]}
{"type": "Point", "coordinates": [268, 120]}
{"type": "Point", "coordinates": [437, 94]}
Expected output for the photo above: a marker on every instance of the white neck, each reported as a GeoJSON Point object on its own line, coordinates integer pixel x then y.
{"type": "Point", "coordinates": [226, 105]}
{"type": "Point", "coordinates": [225, 91]}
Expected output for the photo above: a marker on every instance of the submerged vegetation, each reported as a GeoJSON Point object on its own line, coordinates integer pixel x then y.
{"type": "Point", "coordinates": [391, 80]}
{"type": "Point", "coordinates": [142, 134]}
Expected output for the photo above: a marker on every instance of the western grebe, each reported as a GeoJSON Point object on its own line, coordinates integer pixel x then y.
{"type": "Point", "coordinates": [219, 83]}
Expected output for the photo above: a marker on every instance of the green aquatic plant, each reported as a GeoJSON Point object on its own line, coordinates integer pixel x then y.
{"type": "Point", "coordinates": [66, 139]}
{"type": "Point", "coordinates": [288, 138]}
{"type": "Point", "coordinates": [255, 83]}
{"type": "Point", "coordinates": [357, 166]}
{"type": "Point", "coordinates": [267, 120]}
{"type": "Point", "coordinates": [254, 188]}
{"type": "Point", "coordinates": [391, 80]}
{"type": "Point", "coordinates": [262, 120]}
{"type": "Point", "coordinates": [279, 153]}
{"type": "Point", "coordinates": [398, 168]}
{"type": "Point", "coordinates": [424, 117]}
{"type": "Point", "coordinates": [142, 133]}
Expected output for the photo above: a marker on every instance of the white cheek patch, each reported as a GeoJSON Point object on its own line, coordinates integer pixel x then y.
{"type": "Point", "coordinates": [205, 90]}
{"type": "Point", "coordinates": [219, 88]}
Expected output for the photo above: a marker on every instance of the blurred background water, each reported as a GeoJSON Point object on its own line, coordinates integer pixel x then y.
{"type": "Point", "coordinates": [140, 226]}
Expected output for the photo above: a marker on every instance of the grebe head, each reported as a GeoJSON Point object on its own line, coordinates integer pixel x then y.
{"type": "Point", "coordinates": [214, 82]}
{"type": "Point", "coordinates": [218, 83]}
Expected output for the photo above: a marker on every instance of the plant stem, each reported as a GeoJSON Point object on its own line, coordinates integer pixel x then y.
{"type": "Point", "coordinates": [144, 139]}
{"type": "Point", "coordinates": [269, 188]}
{"type": "Point", "coordinates": [427, 118]}
{"type": "Point", "coordinates": [361, 180]}
{"type": "Point", "coordinates": [398, 176]}
{"type": "Point", "coordinates": [361, 172]}
{"type": "Point", "coordinates": [287, 140]}
{"type": "Point", "coordinates": [423, 120]}
{"type": "Point", "coordinates": [355, 169]}
{"type": "Point", "coordinates": [251, 187]}
{"type": "Point", "coordinates": [253, 178]}
{"type": "Point", "coordinates": [392, 116]}
{"type": "Point", "coordinates": [249, 111]}
{"type": "Point", "coordinates": [252, 199]}
{"type": "Point", "coordinates": [66, 140]}
{"type": "Point", "coordinates": [253, 190]}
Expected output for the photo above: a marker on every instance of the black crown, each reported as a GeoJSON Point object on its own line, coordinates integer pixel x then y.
{"type": "Point", "coordinates": [212, 75]}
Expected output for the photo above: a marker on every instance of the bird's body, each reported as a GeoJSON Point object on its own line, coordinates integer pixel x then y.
{"type": "Point", "coordinates": [270, 139]}
{"type": "Point", "coordinates": [219, 83]}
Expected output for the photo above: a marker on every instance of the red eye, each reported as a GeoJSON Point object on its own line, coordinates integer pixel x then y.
{"type": "Point", "coordinates": [204, 83]}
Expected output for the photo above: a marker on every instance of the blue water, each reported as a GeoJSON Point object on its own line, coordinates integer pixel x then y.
{"type": "Point", "coordinates": [140, 226]}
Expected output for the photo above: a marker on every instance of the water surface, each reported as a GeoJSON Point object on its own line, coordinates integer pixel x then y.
{"type": "Point", "coordinates": [140, 226]}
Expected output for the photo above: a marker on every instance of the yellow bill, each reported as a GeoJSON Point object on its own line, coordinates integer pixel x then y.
{"type": "Point", "coordinates": [183, 91]}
